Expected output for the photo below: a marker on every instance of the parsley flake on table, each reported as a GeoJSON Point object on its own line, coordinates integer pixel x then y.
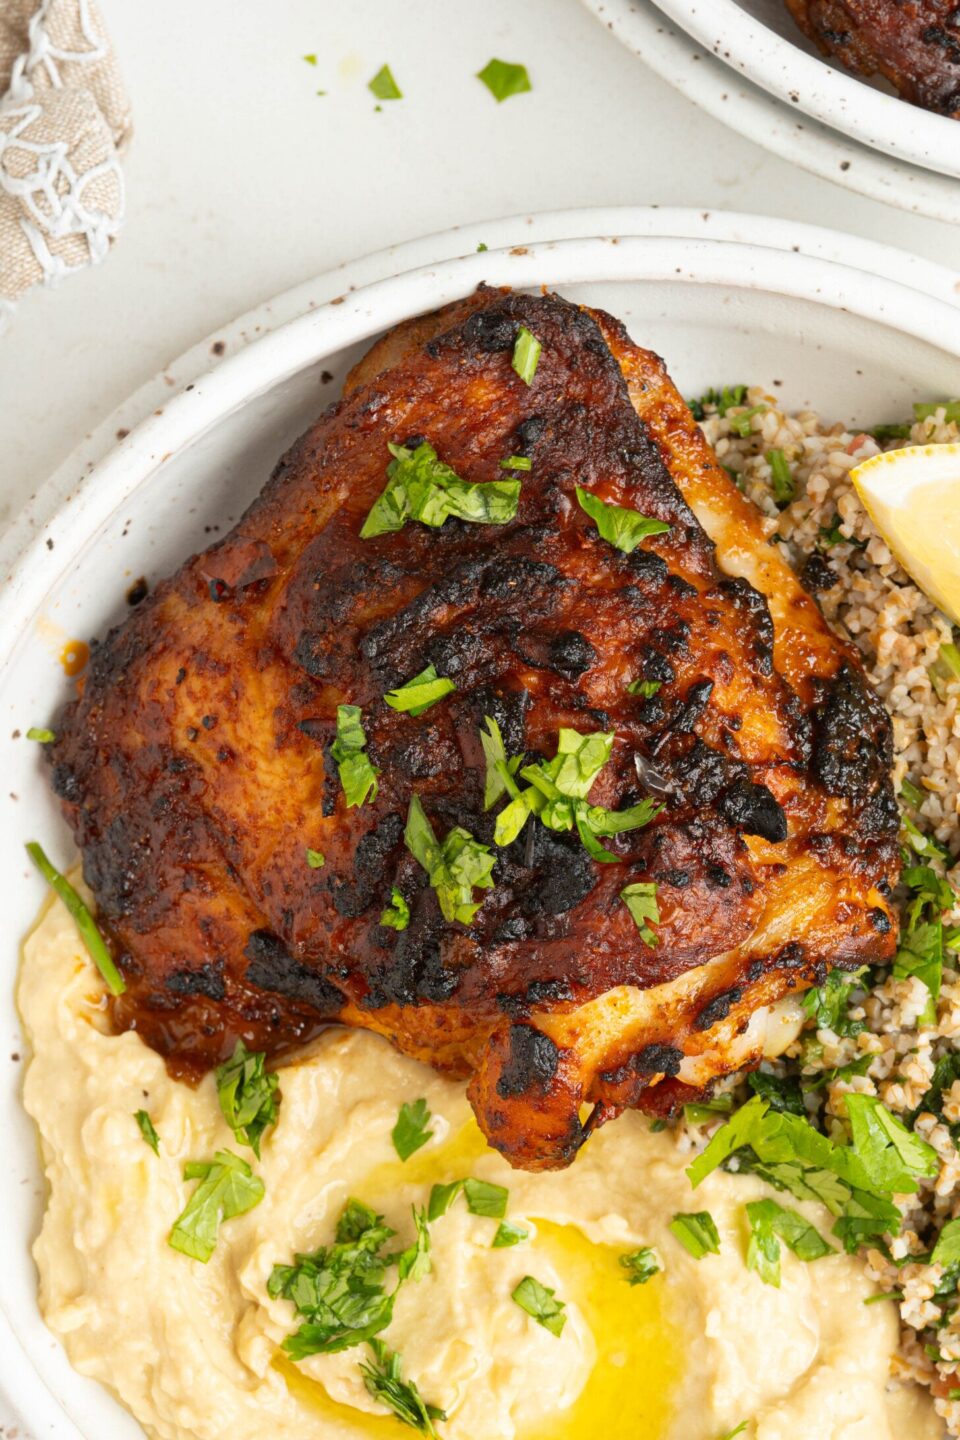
{"type": "Point", "coordinates": [526, 355]}
{"type": "Point", "coordinates": [640, 899]}
{"type": "Point", "coordinates": [148, 1130]}
{"type": "Point", "coordinates": [456, 866]}
{"type": "Point", "coordinates": [418, 694]}
{"type": "Point", "coordinates": [541, 1304]}
{"type": "Point", "coordinates": [421, 487]}
{"type": "Point", "coordinates": [385, 1383]}
{"type": "Point", "coordinates": [504, 79]}
{"type": "Point", "coordinates": [94, 942]}
{"type": "Point", "coordinates": [412, 1130]}
{"type": "Point", "coordinates": [640, 1265]}
{"type": "Point", "coordinates": [228, 1187]}
{"type": "Point", "coordinates": [338, 1290]}
{"type": "Point", "coordinates": [383, 85]}
{"type": "Point", "coordinates": [247, 1092]}
{"type": "Point", "coordinates": [358, 774]}
{"type": "Point", "coordinates": [769, 1224]}
{"type": "Point", "coordinates": [623, 528]}
{"type": "Point", "coordinates": [42, 737]}
{"type": "Point", "coordinates": [697, 1233]}
{"type": "Point", "coordinates": [397, 914]}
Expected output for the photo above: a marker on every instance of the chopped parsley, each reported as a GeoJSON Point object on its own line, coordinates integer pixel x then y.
{"type": "Point", "coordinates": [911, 794]}
{"type": "Point", "coordinates": [702, 1112]}
{"type": "Point", "coordinates": [504, 79]}
{"type": "Point", "coordinates": [517, 462]}
{"type": "Point", "coordinates": [924, 845]}
{"type": "Point", "coordinates": [947, 1249]}
{"type": "Point", "coordinates": [557, 794]}
{"type": "Point", "coordinates": [697, 1233]}
{"type": "Point", "coordinates": [945, 669]}
{"type": "Point", "coordinates": [950, 408]}
{"type": "Point", "coordinates": [418, 694]}
{"type": "Point", "coordinates": [93, 941]}
{"type": "Point", "coordinates": [397, 914]}
{"type": "Point", "coordinates": [456, 866]}
{"type": "Point", "coordinates": [412, 1130]}
{"type": "Point", "coordinates": [248, 1095]}
{"type": "Point", "coordinates": [485, 1198]}
{"type": "Point", "coordinates": [315, 859]}
{"type": "Point", "coordinates": [414, 1263]}
{"type": "Point", "coordinates": [509, 1234]}
{"type": "Point", "coordinates": [737, 1430]}
{"type": "Point", "coordinates": [421, 487]}
{"type": "Point", "coordinates": [339, 1290]}
{"type": "Point", "coordinates": [441, 1198]}
{"type": "Point", "coordinates": [526, 355]}
{"type": "Point", "coordinates": [622, 527]}
{"type": "Point", "coordinates": [899, 431]}
{"type": "Point", "coordinates": [43, 737]}
{"type": "Point", "coordinates": [854, 1181]}
{"type": "Point", "coordinates": [640, 1265]}
{"type": "Point", "coordinates": [228, 1187]}
{"type": "Point", "coordinates": [741, 424]}
{"type": "Point", "coordinates": [781, 478]}
{"type": "Point", "coordinates": [782, 1092]}
{"type": "Point", "coordinates": [496, 756]}
{"type": "Point", "coordinates": [148, 1130]}
{"type": "Point", "coordinates": [830, 535]}
{"type": "Point", "coordinates": [383, 85]}
{"type": "Point", "coordinates": [385, 1383]}
{"type": "Point", "coordinates": [358, 774]}
{"type": "Point", "coordinates": [540, 1302]}
{"type": "Point", "coordinates": [827, 1004]}
{"type": "Point", "coordinates": [640, 899]}
{"type": "Point", "coordinates": [769, 1224]}
{"type": "Point", "coordinates": [644, 688]}
{"type": "Point", "coordinates": [721, 400]}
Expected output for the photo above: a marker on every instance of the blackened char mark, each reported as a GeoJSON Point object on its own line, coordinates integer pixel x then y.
{"type": "Point", "coordinates": [658, 1060]}
{"type": "Point", "coordinates": [754, 811]}
{"type": "Point", "coordinates": [371, 872]}
{"type": "Point", "coordinates": [853, 738]}
{"type": "Point", "coordinates": [718, 1008]}
{"type": "Point", "coordinates": [566, 653]}
{"type": "Point", "coordinates": [206, 980]}
{"type": "Point", "coordinates": [531, 1063]}
{"type": "Point", "coordinates": [749, 602]}
{"type": "Point", "coordinates": [271, 967]}
{"type": "Point", "coordinates": [413, 972]}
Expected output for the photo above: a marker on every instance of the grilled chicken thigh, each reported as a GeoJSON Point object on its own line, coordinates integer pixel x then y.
{"type": "Point", "coordinates": [915, 44]}
{"type": "Point", "coordinates": [204, 758]}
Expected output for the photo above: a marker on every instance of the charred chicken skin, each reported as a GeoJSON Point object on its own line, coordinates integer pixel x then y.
{"type": "Point", "coordinates": [201, 761]}
{"type": "Point", "coordinates": [915, 44]}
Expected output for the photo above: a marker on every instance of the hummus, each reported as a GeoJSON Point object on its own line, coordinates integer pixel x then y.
{"type": "Point", "coordinates": [193, 1350]}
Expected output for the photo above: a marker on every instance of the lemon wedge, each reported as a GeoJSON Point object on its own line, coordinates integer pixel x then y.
{"type": "Point", "coordinates": [913, 498]}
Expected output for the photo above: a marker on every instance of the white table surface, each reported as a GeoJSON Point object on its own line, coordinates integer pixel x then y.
{"type": "Point", "coordinates": [242, 181]}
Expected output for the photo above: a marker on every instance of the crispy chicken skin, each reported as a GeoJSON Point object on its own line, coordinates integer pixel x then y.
{"type": "Point", "coordinates": [195, 767]}
{"type": "Point", "coordinates": [915, 44]}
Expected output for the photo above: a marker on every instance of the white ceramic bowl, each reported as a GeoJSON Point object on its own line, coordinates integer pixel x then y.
{"type": "Point", "coordinates": [780, 126]}
{"type": "Point", "coordinates": [760, 39]}
{"type": "Point", "coordinates": [724, 299]}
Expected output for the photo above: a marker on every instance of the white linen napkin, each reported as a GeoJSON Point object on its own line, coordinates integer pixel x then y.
{"type": "Point", "coordinates": [64, 120]}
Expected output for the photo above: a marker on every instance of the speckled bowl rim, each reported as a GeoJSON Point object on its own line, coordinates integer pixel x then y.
{"type": "Point", "coordinates": [828, 93]}
{"type": "Point", "coordinates": [778, 126]}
